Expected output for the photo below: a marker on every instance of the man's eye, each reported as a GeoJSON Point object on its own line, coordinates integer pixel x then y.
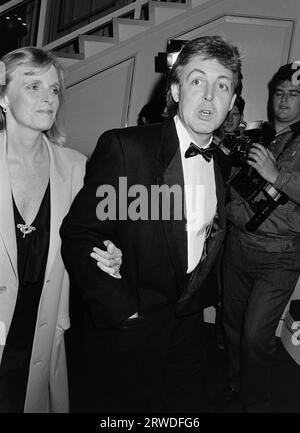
{"type": "Point", "coordinates": [197, 81]}
{"type": "Point", "coordinates": [294, 94]}
{"type": "Point", "coordinates": [55, 91]}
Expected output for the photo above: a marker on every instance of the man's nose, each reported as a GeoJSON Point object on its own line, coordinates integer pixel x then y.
{"type": "Point", "coordinates": [209, 93]}
{"type": "Point", "coordinates": [284, 96]}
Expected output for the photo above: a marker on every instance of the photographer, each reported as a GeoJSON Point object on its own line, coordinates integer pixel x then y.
{"type": "Point", "coordinates": [228, 136]}
{"type": "Point", "coordinates": [262, 258]}
{"type": "Point", "coordinates": [233, 125]}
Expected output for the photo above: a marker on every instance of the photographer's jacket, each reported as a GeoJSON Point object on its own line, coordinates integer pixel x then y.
{"type": "Point", "coordinates": [281, 230]}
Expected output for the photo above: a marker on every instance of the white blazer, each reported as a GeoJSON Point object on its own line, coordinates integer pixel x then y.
{"type": "Point", "coordinates": [47, 389]}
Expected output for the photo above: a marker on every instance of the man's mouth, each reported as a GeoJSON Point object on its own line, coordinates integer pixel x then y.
{"type": "Point", "coordinates": [206, 114]}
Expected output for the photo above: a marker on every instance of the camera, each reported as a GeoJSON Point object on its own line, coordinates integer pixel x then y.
{"type": "Point", "coordinates": [238, 147]}
{"type": "Point", "coordinates": [248, 183]}
{"type": "Point", "coordinates": [260, 195]}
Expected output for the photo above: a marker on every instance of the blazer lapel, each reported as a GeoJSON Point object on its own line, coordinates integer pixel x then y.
{"type": "Point", "coordinates": [58, 199]}
{"type": "Point", "coordinates": [169, 155]}
{"type": "Point", "coordinates": [7, 228]}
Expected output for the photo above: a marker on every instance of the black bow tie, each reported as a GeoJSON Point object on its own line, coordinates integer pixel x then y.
{"type": "Point", "coordinates": [194, 150]}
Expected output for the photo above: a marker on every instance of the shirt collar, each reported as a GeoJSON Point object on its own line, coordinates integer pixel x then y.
{"type": "Point", "coordinates": [184, 137]}
{"type": "Point", "coordinates": [293, 127]}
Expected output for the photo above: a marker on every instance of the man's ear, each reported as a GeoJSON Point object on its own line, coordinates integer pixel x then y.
{"type": "Point", "coordinates": [232, 102]}
{"type": "Point", "coordinates": [175, 91]}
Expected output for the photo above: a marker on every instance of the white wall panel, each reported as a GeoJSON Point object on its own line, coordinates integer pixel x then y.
{"type": "Point", "coordinates": [97, 103]}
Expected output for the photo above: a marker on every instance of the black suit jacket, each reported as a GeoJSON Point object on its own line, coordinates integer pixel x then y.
{"type": "Point", "coordinates": [154, 251]}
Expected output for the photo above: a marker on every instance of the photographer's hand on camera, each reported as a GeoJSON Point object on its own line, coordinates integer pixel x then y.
{"type": "Point", "coordinates": [264, 162]}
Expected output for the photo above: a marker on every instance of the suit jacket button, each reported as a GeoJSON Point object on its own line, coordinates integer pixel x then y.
{"type": "Point", "coordinates": [3, 289]}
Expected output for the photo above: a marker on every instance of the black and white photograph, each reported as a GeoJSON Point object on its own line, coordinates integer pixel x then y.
{"type": "Point", "coordinates": [149, 211]}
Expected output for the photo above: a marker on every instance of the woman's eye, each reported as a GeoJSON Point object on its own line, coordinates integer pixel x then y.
{"type": "Point", "coordinates": [224, 86]}
{"type": "Point", "coordinates": [33, 86]}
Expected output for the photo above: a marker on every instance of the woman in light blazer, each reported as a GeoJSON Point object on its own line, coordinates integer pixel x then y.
{"type": "Point", "coordinates": [38, 181]}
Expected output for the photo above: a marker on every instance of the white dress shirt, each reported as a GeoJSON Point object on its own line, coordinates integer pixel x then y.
{"type": "Point", "coordinates": [200, 196]}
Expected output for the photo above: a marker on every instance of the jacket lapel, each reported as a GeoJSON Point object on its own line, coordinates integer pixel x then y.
{"type": "Point", "coordinates": [212, 244]}
{"type": "Point", "coordinates": [7, 228]}
{"type": "Point", "coordinates": [219, 218]}
{"type": "Point", "coordinates": [170, 157]}
{"type": "Point", "coordinates": [58, 200]}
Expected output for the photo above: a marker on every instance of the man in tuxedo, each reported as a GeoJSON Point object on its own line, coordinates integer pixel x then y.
{"type": "Point", "coordinates": [142, 332]}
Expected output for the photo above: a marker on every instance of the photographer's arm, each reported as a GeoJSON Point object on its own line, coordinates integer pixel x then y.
{"type": "Point", "coordinates": [288, 181]}
{"type": "Point", "coordinates": [284, 179]}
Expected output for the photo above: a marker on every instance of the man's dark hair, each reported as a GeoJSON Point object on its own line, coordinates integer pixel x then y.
{"type": "Point", "coordinates": [151, 113]}
{"type": "Point", "coordinates": [210, 47]}
{"type": "Point", "coordinates": [284, 73]}
{"type": "Point", "coordinates": [240, 104]}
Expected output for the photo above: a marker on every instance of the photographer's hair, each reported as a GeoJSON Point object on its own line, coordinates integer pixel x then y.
{"type": "Point", "coordinates": [284, 73]}
{"type": "Point", "coordinates": [41, 60]}
{"type": "Point", "coordinates": [210, 47]}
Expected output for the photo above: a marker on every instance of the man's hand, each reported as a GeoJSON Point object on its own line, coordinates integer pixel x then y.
{"type": "Point", "coordinates": [264, 162]}
{"type": "Point", "coordinates": [108, 261]}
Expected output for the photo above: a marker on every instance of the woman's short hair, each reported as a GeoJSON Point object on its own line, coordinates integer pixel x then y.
{"type": "Point", "coordinates": [42, 60]}
{"type": "Point", "coordinates": [210, 47]}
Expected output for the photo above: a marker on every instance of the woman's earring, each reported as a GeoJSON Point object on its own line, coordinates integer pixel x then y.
{"type": "Point", "coordinates": [4, 110]}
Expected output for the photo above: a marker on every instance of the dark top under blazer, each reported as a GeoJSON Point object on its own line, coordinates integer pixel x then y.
{"type": "Point", "coordinates": [154, 251]}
